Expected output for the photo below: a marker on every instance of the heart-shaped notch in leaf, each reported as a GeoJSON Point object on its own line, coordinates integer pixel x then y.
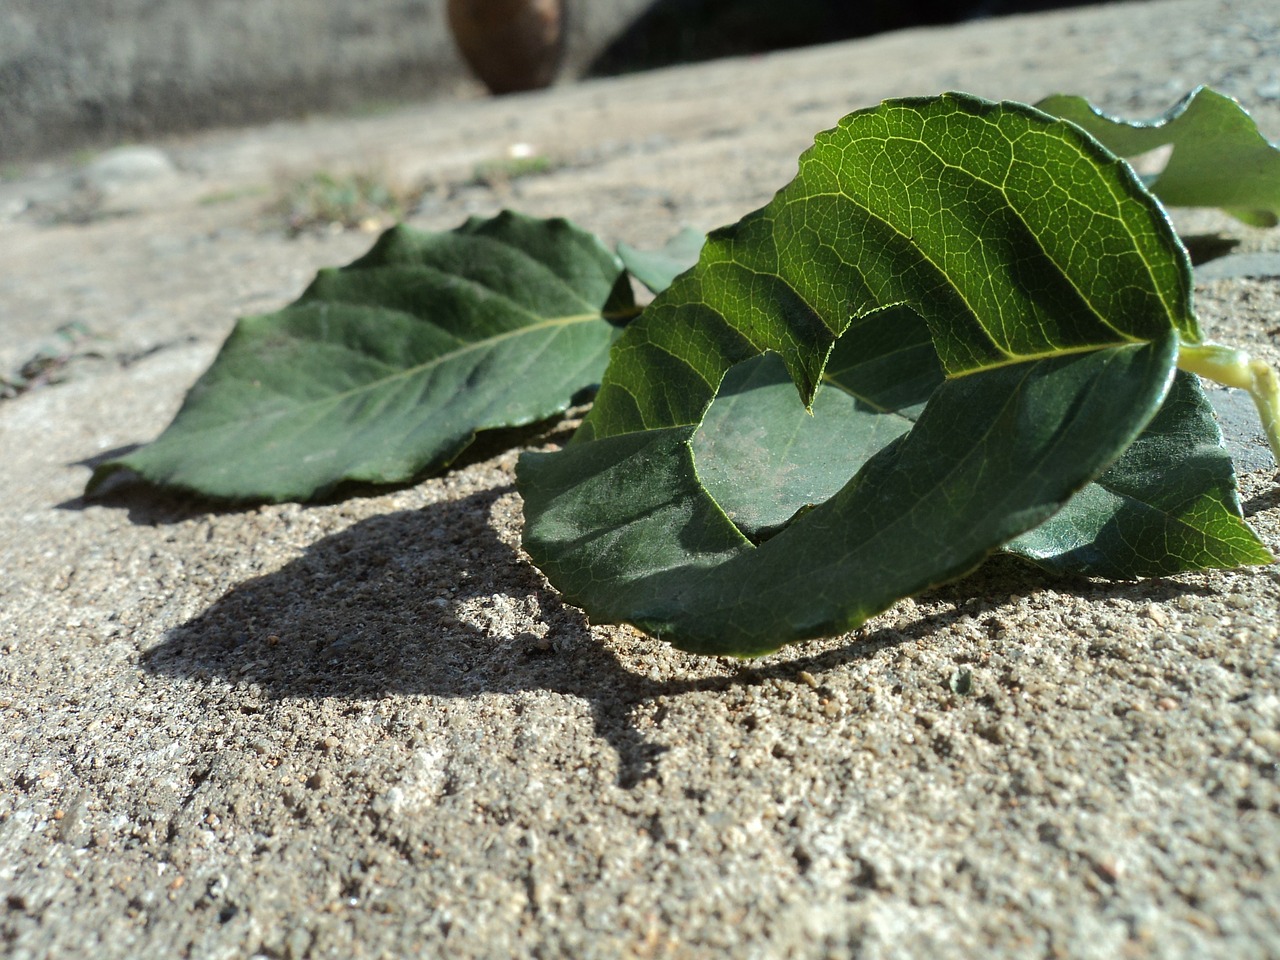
{"type": "Point", "coordinates": [1054, 293]}
{"type": "Point", "coordinates": [386, 368]}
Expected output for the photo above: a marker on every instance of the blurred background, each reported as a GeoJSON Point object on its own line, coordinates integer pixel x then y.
{"type": "Point", "coordinates": [674, 31]}
{"type": "Point", "coordinates": [78, 74]}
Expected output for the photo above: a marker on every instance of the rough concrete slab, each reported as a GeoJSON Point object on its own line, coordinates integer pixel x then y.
{"type": "Point", "coordinates": [368, 729]}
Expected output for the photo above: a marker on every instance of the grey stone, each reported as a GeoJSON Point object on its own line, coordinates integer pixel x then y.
{"type": "Point", "coordinates": [128, 166]}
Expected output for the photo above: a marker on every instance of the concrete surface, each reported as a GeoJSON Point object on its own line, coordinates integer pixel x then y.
{"type": "Point", "coordinates": [368, 729]}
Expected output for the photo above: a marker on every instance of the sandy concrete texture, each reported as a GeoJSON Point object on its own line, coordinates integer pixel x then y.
{"type": "Point", "coordinates": [369, 729]}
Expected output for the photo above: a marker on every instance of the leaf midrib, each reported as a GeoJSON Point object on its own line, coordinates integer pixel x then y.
{"type": "Point", "coordinates": [300, 406]}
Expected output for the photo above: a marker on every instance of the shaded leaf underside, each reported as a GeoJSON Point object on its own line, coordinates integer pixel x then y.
{"type": "Point", "coordinates": [1169, 504]}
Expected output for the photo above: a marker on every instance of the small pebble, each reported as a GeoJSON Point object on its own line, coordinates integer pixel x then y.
{"type": "Point", "coordinates": [126, 165]}
{"type": "Point", "coordinates": [994, 733]}
{"type": "Point", "coordinates": [1107, 868]}
{"type": "Point", "coordinates": [1156, 615]}
{"type": "Point", "coordinates": [1268, 740]}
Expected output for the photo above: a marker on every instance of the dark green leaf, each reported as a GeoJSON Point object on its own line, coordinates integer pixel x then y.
{"type": "Point", "coordinates": [624, 529]}
{"type": "Point", "coordinates": [657, 268]}
{"type": "Point", "coordinates": [1219, 159]}
{"type": "Point", "coordinates": [1054, 293]}
{"type": "Point", "coordinates": [1169, 504]}
{"type": "Point", "coordinates": [388, 367]}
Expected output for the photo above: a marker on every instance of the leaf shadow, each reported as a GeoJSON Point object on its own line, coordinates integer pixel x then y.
{"type": "Point", "coordinates": [419, 602]}
{"type": "Point", "coordinates": [397, 604]}
{"type": "Point", "coordinates": [144, 504]}
{"type": "Point", "coordinates": [1206, 247]}
{"type": "Point", "coordinates": [433, 603]}
{"type": "Point", "coordinates": [149, 504]}
{"type": "Point", "coordinates": [1269, 499]}
{"type": "Point", "coordinates": [1003, 574]}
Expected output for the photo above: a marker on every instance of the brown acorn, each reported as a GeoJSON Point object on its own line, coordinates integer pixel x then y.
{"type": "Point", "coordinates": [510, 44]}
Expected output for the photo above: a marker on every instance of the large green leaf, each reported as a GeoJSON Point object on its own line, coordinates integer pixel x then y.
{"type": "Point", "coordinates": [1168, 505]}
{"type": "Point", "coordinates": [1053, 290]}
{"type": "Point", "coordinates": [388, 367]}
{"type": "Point", "coordinates": [1219, 158]}
{"type": "Point", "coordinates": [623, 528]}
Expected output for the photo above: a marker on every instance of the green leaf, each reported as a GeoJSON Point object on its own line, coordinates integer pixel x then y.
{"type": "Point", "coordinates": [622, 527]}
{"type": "Point", "coordinates": [1219, 159]}
{"type": "Point", "coordinates": [1168, 505]}
{"type": "Point", "coordinates": [1054, 293]}
{"type": "Point", "coordinates": [764, 458]}
{"type": "Point", "coordinates": [656, 269]}
{"type": "Point", "coordinates": [388, 367]}
{"type": "Point", "coordinates": [944, 204]}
